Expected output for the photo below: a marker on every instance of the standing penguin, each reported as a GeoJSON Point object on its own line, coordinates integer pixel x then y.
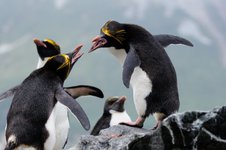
{"type": "Point", "coordinates": [114, 113]}
{"type": "Point", "coordinates": [30, 120]}
{"type": "Point", "coordinates": [146, 67]}
{"type": "Point", "coordinates": [46, 49]}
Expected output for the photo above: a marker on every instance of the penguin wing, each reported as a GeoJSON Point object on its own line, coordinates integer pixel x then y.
{"type": "Point", "coordinates": [84, 90]}
{"type": "Point", "coordinates": [132, 60]}
{"type": "Point", "coordinates": [74, 107]}
{"type": "Point", "coordinates": [167, 39]}
{"type": "Point", "coordinates": [9, 92]}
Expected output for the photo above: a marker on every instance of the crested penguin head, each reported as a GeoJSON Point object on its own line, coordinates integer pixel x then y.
{"type": "Point", "coordinates": [47, 48]}
{"type": "Point", "coordinates": [63, 63]}
{"type": "Point", "coordinates": [115, 104]}
{"type": "Point", "coordinates": [112, 34]}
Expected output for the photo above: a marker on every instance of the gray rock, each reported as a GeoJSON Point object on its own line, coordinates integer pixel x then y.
{"type": "Point", "coordinates": [182, 131]}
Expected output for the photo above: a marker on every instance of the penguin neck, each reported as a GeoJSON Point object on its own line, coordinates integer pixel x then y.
{"type": "Point", "coordinates": [41, 62]}
{"type": "Point", "coordinates": [120, 54]}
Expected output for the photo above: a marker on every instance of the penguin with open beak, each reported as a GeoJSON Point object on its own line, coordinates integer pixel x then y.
{"type": "Point", "coordinates": [146, 68]}
{"type": "Point", "coordinates": [46, 49]}
{"type": "Point", "coordinates": [31, 117]}
{"type": "Point", "coordinates": [114, 114]}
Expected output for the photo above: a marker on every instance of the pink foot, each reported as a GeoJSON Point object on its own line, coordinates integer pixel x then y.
{"type": "Point", "coordinates": [138, 123]}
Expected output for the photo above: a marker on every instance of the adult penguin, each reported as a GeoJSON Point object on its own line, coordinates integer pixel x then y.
{"type": "Point", "coordinates": [30, 120]}
{"type": "Point", "coordinates": [146, 67]}
{"type": "Point", "coordinates": [46, 49]}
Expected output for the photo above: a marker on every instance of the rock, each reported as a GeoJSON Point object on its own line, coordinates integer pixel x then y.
{"type": "Point", "coordinates": [182, 131]}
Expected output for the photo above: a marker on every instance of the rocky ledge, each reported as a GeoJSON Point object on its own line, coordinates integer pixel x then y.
{"type": "Point", "coordinates": [182, 131]}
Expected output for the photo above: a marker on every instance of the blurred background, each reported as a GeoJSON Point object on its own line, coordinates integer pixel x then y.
{"type": "Point", "coordinates": [201, 70]}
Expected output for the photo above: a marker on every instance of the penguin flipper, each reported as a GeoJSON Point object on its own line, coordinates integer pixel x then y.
{"type": "Point", "coordinates": [74, 107]}
{"type": "Point", "coordinates": [132, 60]}
{"type": "Point", "coordinates": [9, 92]}
{"type": "Point", "coordinates": [84, 90]}
{"type": "Point", "coordinates": [167, 39]}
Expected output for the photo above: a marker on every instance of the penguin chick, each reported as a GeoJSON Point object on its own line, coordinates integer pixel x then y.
{"type": "Point", "coordinates": [146, 68]}
{"type": "Point", "coordinates": [114, 114]}
{"type": "Point", "coordinates": [30, 120]}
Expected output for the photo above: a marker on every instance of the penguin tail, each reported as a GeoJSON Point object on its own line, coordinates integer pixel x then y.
{"type": "Point", "coordinates": [11, 144]}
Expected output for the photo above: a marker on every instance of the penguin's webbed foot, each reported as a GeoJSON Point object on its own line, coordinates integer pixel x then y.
{"type": "Point", "coordinates": [131, 124]}
{"type": "Point", "coordinates": [138, 123]}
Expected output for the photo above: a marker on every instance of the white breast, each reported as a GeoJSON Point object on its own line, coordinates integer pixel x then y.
{"type": "Point", "coordinates": [62, 125]}
{"type": "Point", "coordinates": [41, 62]}
{"type": "Point", "coordinates": [57, 126]}
{"type": "Point", "coordinates": [120, 54]}
{"type": "Point", "coordinates": [118, 117]}
{"type": "Point", "coordinates": [50, 126]}
{"type": "Point", "coordinates": [139, 81]}
{"type": "Point", "coordinates": [142, 87]}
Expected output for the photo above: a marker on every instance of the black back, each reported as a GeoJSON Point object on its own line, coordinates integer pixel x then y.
{"type": "Point", "coordinates": [28, 113]}
{"type": "Point", "coordinates": [156, 63]}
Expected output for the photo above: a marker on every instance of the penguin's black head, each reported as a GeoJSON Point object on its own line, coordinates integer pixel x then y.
{"type": "Point", "coordinates": [113, 34]}
{"type": "Point", "coordinates": [114, 103]}
{"type": "Point", "coordinates": [63, 63]}
{"type": "Point", "coordinates": [47, 48]}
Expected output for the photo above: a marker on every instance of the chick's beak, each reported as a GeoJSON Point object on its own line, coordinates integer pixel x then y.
{"type": "Point", "coordinates": [97, 43]}
{"type": "Point", "coordinates": [121, 99]}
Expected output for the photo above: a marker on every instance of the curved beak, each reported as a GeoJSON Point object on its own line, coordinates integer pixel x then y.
{"type": "Point", "coordinates": [97, 43]}
{"type": "Point", "coordinates": [39, 43]}
{"type": "Point", "coordinates": [121, 99]}
{"type": "Point", "coordinates": [76, 54]}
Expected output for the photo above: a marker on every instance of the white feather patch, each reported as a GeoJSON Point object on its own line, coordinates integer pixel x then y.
{"type": "Point", "coordinates": [50, 126]}
{"type": "Point", "coordinates": [118, 117]}
{"type": "Point", "coordinates": [62, 125]}
{"type": "Point", "coordinates": [12, 138]}
{"type": "Point", "coordinates": [142, 87]}
{"type": "Point", "coordinates": [41, 62]}
{"type": "Point", "coordinates": [120, 54]}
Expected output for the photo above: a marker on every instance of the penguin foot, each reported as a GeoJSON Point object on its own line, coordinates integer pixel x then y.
{"type": "Point", "coordinates": [131, 124]}
{"type": "Point", "coordinates": [138, 123]}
